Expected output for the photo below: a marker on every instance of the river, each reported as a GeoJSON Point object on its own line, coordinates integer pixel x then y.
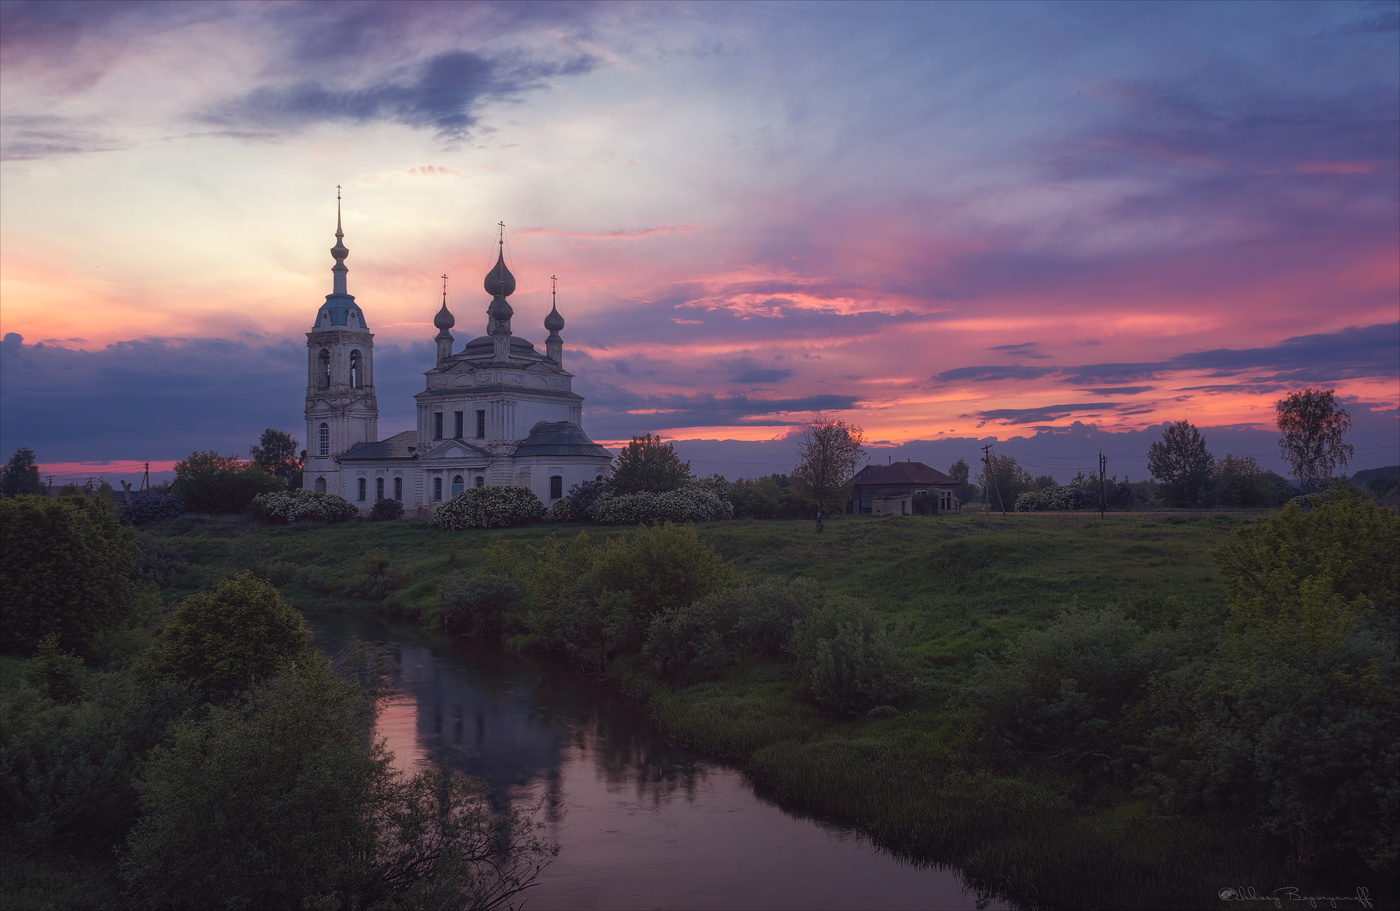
{"type": "Point", "coordinates": [641, 823]}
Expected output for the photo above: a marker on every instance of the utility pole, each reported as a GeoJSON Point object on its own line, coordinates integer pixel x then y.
{"type": "Point", "coordinates": [1103, 489]}
{"type": "Point", "coordinates": [986, 478]}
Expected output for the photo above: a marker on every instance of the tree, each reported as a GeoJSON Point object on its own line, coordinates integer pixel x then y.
{"type": "Point", "coordinates": [966, 490]}
{"type": "Point", "coordinates": [1004, 481]}
{"type": "Point", "coordinates": [1182, 465]}
{"type": "Point", "coordinates": [647, 464]}
{"type": "Point", "coordinates": [227, 640]}
{"type": "Point", "coordinates": [283, 800]}
{"type": "Point", "coordinates": [67, 567]}
{"type": "Point", "coordinates": [21, 475]}
{"type": "Point", "coordinates": [828, 452]}
{"type": "Point", "coordinates": [209, 482]}
{"type": "Point", "coordinates": [1313, 425]}
{"type": "Point", "coordinates": [276, 454]}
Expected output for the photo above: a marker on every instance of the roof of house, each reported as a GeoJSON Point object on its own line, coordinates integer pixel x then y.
{"type": "Point", "coordinates": [561, 438]}
{"type": "Point", "coordinates": [398, 446]}
{"type": "Point", "coordinates": [902, 473]}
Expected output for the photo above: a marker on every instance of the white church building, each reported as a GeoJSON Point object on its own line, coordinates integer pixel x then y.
{"type": "Point", "coordinates": [495, 412]}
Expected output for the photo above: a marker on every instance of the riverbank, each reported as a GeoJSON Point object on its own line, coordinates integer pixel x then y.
{"type": "Point", "coordinates": [919, 781]}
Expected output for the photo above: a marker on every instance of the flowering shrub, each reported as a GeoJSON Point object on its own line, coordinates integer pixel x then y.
{"type": "Point", "coordinates": [488, 507]}
{"type": "Point", "coordinates": [562, 511]}
{"type": "Point", "coordinates": [386, 510]}
{"type": "Point", "coordinates": [692, 503]}
{"type": "Point", "coordinates": [1056, 498]}
{"type": "Point", "coordinates": [291, 505]}
{"type": "Point", "coordinates": [152, 507]}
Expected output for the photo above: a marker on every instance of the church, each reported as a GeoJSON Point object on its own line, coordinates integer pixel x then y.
{"type": "Point", "coordinates": [495, 412]}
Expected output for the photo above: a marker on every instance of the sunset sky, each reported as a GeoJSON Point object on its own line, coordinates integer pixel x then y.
{"type": "Point", "coordinates": [1050, 225]}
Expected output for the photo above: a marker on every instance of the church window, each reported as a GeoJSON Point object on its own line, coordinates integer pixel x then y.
{"type": "Point", "coordinates": [398, 489]}
{"type": "Point", "coordinates": [437, 488]}
{"type": "Point", "coordinates": [325, 439]}
{"type": "Point", "coordinates": [480, 481]}
{"type": "Point", "coordinates": [458, 424]}
{"type": "Point", "coordinates": [325, 372]}
{"type": "Point", "coordinates": [456, 485]}
{"type": "Point", "coordinates": [362, 490]}
{"type": "Point", "coordinates": [437, 425]}
{"type": "Point", "coordinates": [379, 488]}
{"type": "Point", "coordinates": [320, 485]}
{"type": "Point", "coordinates": [356, 379]}
{"type": "Point", "coordinates": [481, 425]}
{"type": "Point", "coordinates": [556, 487]}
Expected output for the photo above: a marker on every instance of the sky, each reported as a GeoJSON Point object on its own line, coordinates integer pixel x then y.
{"type": "Point", "coordinates": [1047, 227]}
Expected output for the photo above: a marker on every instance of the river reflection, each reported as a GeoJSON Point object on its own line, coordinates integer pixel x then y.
{"type": "Point", "coordinates": [641, 823]}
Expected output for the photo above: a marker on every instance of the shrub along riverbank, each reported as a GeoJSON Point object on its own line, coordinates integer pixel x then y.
{"type": "Point", "coordinates": [1075, 711]}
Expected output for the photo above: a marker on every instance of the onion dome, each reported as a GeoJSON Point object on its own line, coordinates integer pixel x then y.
{"type": "Point", "coordinates": [554, 322]}
{"type": "Point", "coordinates": [499, 281]}
{"type": "Point", "coordinates": [500, 310]}
{"type": "Point", "coordinates": [444, 319]}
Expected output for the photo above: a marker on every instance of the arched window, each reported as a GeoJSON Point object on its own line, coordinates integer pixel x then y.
{"type": "Point", "coordinates": [362, 490]}
{"type": "Point", "coordinates": [437, 488]}
{"type": "Point", "coordinates": [325, 373]}
{"type": "Point", "coordinates": [556, 487]}
{"type": "Point", "coordinates": [398, 489]}
{"type": "Point", "coordinates": [379, 488]}
{"type": "Point", "coordinates": [325, 439]}
{"type": "Point", "coordinates": [320, 485]}
{"type": "Point", "coordinates": [480, 481]}
{"type": "Point", "coordinates": [456, 485]}
{"type": "Point", "coordinates": [355, 378]}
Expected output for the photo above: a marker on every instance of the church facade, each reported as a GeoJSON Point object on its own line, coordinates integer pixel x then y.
{"type": "Point", "coordinates": [495, 412]}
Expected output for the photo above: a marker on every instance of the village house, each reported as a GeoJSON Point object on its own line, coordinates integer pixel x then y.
{"type": "Point", "coordinates": [902, 489]}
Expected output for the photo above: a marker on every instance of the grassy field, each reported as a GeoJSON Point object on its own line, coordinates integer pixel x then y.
{"type": "Point", "coordinates": [962, 586]}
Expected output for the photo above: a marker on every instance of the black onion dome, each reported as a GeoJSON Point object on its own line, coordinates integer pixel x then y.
{"type": "Point", "coordinates": [500, 309]}
{"type": "Point", "coordinates": [554, 322]}
{"type": "Point", "coordinates": [444, 319]}
{"type": "Point", "coordinates": [499, 281]}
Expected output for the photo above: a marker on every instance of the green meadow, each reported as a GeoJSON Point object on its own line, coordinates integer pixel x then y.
{"type": "Point", "coordinates": [957, 591]}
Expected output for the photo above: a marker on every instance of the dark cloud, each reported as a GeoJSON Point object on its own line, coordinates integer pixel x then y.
{"type": "Point", "coordinates": [991, 374]}
{"type": "Point", "coordinates": [1361, 351]}
{"type": "Point", "coordinates": [1024, 349]}
{"type": "Point", "coordinates": [1041, 415]}
{"type": "Point", "coordinates": [164, 398]}
{"type": "Point", "coordinates": [27, 137]}
{"type": "Point", "coordinates": [1380, 24]}
{"type": "Point", "coordinates": [444, 94]}
{"type": "Point", "coordinates": [1119, 390]}
{"type": "Point", "coordinates": [748, 373]}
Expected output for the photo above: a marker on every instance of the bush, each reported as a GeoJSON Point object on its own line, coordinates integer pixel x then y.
{"type": "Point", "coordinates": [562, 511]}
{"type": "Point", "coordinates": [386, 509]}
{"type": "Point", "coordinates": [582, 495]}
{"type": "Point", "coordinates": [152, 507]}
{"type": "Point", "coordinates": [69, 568]}
{"type": "Point", "coordinates": [488, 507]}
{"type": "Point", "coordinates": [701, 638]}
{"type": "Point", "coordinates": [161, 561]}
{"type": "Point", "coordinates": [209, 482]}
{"type": "Point", "coordinates": [283, 801]}
{"type": "Point", "coordinates": [663, 567]}
{"type": "Point", "coordinates": [1064, 688]}
{"type": "Point", "coordinates": [475, 603]}
{"type": "Point", "coordinates": [692, 503]}
{"type": "Point", "coordinates": [378, 577]}
{"type": "Point", "coordinates": [289, 506]}
{"type": "Point", "coordinates": [227, 640]}
{"type": "Point", "coordinates": [70, 767]}
{"type": "Point", "coordinates": [846, 658]}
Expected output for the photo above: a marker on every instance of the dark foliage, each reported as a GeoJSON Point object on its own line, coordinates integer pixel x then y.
{"type": "Point", "coordinates": [20, 476]}
{"type": "Point", "coordinates": [209, 482]}
{"type": "Point", "coordinates": [647, 464]}
{"type": "Point", "coordinates": [386, 509]}
{"type": "Point", "coordinates": [68, 567]}
{"type": "Point", "coordinates": [151, 506]}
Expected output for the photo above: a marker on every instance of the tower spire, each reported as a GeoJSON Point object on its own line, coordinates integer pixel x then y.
{"type": "Point", "coordinates": [554, 345]}
{"type": "Point", "coordinates": [444, 321]}
{"type": "Point", "coordinates": [339, 251]}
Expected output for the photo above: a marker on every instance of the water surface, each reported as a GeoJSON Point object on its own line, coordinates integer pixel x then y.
{"type": "Point", "coordinates": [640, 823]}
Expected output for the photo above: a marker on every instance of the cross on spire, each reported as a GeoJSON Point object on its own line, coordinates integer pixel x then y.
{"type": "Point", "coordinates": [553, 288]}
{"type": "Point", "coordinates": [444, 289]}
{"type": "Point", "coordinates": [502, 237]}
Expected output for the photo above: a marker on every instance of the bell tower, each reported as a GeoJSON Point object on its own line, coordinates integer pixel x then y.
{"type": "Point", "coordinates": [340, 405]}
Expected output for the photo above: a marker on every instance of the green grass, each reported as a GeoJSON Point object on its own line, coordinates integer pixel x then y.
{"type": "Point", "coordinates": [962, 585]}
